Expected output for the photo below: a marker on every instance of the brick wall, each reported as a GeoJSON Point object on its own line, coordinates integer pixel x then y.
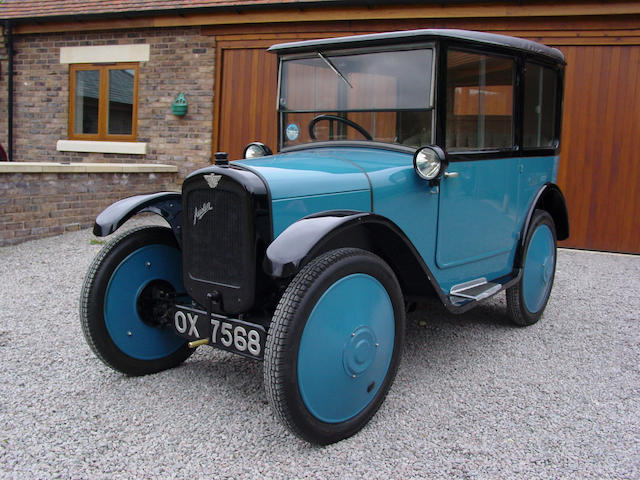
{"type": "Point", "coordinates": [35, 205]}
{"type": "Point", "coordinates": [3, 90]}
{"type": "Point", "coordinates": [181, 60]}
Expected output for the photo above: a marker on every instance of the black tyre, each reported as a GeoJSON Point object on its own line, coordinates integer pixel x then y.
{"type": "Point", "coordinates": [527, 299]}
{"type": "Point", "coordinates": [334, 345]}
{"type": "Point", "coordinates": [116, 315]}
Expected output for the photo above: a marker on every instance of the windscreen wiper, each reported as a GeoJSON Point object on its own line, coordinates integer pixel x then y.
{"type": "Point", "coordinates": [333, 67]}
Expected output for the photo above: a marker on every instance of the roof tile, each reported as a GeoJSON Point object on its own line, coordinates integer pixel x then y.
{"type": "Point", "coordinates": [27, 9]}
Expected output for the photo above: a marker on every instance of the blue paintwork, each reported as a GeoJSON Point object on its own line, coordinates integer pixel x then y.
{"type": "Point", "coordinates": [302, 183]}
{"type": "Point", "coordinates": [466, 229]}
{"type": "Point", "coordinates": [337, 358]}
{"type": "Point", "coordinates": [310, 172]}
{"type": "Point", "coordinates": [287, 211]}
{"type": "Point", "coordinates": [126, 284]}
{"type": "Point", "coordinates": [536, 171]}
{"type": "Point", "coordinates": [538, 271]}
{"type": "Point", "coordinates": [478, 214]}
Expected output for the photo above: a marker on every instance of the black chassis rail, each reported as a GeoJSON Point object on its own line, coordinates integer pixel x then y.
{"type": "Point", "coordinates": [226, 333]}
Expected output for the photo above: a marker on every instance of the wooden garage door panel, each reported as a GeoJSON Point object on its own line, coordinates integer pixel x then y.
{"type": "Point", "coordinates": [599, 170]}
{"type": "Point", "coordinates": [248, 93]}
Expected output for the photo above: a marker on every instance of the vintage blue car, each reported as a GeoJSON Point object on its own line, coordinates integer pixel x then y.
{"type": "Point", "coordinates": [410, 165]}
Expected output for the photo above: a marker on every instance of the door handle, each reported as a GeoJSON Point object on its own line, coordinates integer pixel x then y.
{"type": "Point", "coordinates": [451, 174]}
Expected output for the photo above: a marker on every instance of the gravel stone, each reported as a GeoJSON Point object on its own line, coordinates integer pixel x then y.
{"type": "Point", "coordinates": [475, 397]}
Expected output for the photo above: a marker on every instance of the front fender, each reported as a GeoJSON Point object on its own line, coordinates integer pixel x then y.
{"type": "Point", "coordinates": [286, 253]}
{"type": "Point", "coordinates": [309, 237]}
{"type": "Point", "coordinates": [166, 204]}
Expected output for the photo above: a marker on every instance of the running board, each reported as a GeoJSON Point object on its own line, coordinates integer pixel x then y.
{"type": "Point", "coordinates": [475, 290]}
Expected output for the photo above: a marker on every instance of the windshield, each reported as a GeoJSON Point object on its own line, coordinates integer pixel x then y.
{"type": "Point", "coordinates": [381, 96]}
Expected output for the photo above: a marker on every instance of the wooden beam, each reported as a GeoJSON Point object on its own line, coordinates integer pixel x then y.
{"type": "Point", "coordinates": [577, 24]}
{"type": "Point", "coordinates": [298, 15]}
{"type": "Point", "coordinates": [593, 41]}
{"type": "Point", "coordinates": [613, 37]}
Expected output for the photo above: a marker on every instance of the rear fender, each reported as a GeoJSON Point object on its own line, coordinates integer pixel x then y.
{"type": "Point", "coordinates": [166, 204]}
{"type": "Point", "coordinates": [550, 199]}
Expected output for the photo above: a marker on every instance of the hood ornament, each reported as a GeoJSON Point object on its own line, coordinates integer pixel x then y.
{"type": "Point", "coordinates": [212, 179]}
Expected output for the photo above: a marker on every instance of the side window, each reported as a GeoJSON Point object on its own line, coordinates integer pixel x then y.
{"type": "Point", "coordinates": [103, 102]}
{"type": "Point", "coordinates": [540, 90]}
{"type": "Point", "coordinates": [479, 101]}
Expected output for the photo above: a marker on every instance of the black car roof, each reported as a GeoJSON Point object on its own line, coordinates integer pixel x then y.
{"type": "Point", "coordinates": [391, 38]}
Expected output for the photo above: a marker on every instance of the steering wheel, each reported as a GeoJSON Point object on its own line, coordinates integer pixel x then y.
{"type": "Point", "coordinates": [331, 118]}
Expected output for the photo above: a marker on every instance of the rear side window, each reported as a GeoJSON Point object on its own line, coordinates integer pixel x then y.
{"type": "Point", "coordinates": [540, 94]}
{"type": "Point", "coordinates": [479, 101]}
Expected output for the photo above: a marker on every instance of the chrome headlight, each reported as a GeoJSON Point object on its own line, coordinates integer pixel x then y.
{"type": "Point", "coordinates": [428, 162]}
{"type": "Point", "coordinates": [255, 150]}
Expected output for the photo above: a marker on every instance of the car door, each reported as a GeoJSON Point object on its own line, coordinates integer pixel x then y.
{"type": "Point", "coordinates": [478, 197]}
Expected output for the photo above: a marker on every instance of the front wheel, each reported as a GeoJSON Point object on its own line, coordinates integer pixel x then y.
{"type": "Point", "coordinates": [121, 308]}
{"type": "Point", "coordinates": [334, 345]}
{"type": "Point", "coordinates": [527, 299]}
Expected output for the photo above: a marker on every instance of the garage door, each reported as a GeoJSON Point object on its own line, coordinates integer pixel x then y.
{"type": "Point", "coordinates": [600, 159]}
{"type": "Point", "coordinates": [247, 110]}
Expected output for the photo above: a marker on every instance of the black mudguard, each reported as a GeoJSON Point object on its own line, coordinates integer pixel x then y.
{"type": "Point", "coordinates": [313, 235]}
{"type": "Point", "coordinates": [287, 253]}
{"type": "Point", "coordinates": [551, 199]}
{"type": "Point", "coordinates": [166, 204]}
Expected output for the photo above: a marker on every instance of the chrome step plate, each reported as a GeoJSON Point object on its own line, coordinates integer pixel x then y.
{"type": "Point", "coordinates": [476, 290]}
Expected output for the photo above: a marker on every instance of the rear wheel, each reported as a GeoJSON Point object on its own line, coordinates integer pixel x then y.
{"type": "Point", "coordinates": [527, 299]}
{"type": "Point", "coordinates": [334, 345]}
{"type": "Point", "coordinates": [119, 310]}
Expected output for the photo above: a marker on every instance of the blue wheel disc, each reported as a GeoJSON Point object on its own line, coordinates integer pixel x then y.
{"type": "Point", "coordinates": [346, 348]}
{"type": "Point", "coordinates": [538, 269]}
{"type": "Point", "coordinates": [128, 332]}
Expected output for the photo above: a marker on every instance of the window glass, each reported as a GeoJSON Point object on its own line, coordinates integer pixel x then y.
{"type": "Point", "coordinates": [103, 104]}
{"type": "Point", "coordinates": [479, 101]}
{"type": "Point", "coordinates": [411, 128]}
{"type": "Point", "coordinates": [365, 81]}
{"type": "Point", "coordinates": [86, 101]}
{"type": "Point", "coordinates": [540, 89]}
{"type": "Point", "coordinates": [121, 101]}
{"type": "Point", "coordinates": [386, 94]}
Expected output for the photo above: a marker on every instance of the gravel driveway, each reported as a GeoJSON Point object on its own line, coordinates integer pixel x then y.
{"type": "Point", "coordinates": [474, 397]}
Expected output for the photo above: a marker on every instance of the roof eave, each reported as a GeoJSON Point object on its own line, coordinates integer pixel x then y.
{"type": "Point", "coordinates": [221, 8]}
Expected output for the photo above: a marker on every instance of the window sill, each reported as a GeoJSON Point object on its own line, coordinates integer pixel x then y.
{"type": "Point", "coordinates": [132, 148]}
{"type": "Point", "coordinates": [52, 167]}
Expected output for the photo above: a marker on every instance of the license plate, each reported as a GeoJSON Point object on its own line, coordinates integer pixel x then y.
{"type": "Point", "coordinates": [229, 334]}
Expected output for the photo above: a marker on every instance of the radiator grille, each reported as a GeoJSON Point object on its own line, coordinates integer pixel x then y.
{"type": "Point", "coordinates": [219, 239]}
{"type": "Point", "coordinates": [215, 231]}
{"type": "Point", "coordinates": [217, 235]}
